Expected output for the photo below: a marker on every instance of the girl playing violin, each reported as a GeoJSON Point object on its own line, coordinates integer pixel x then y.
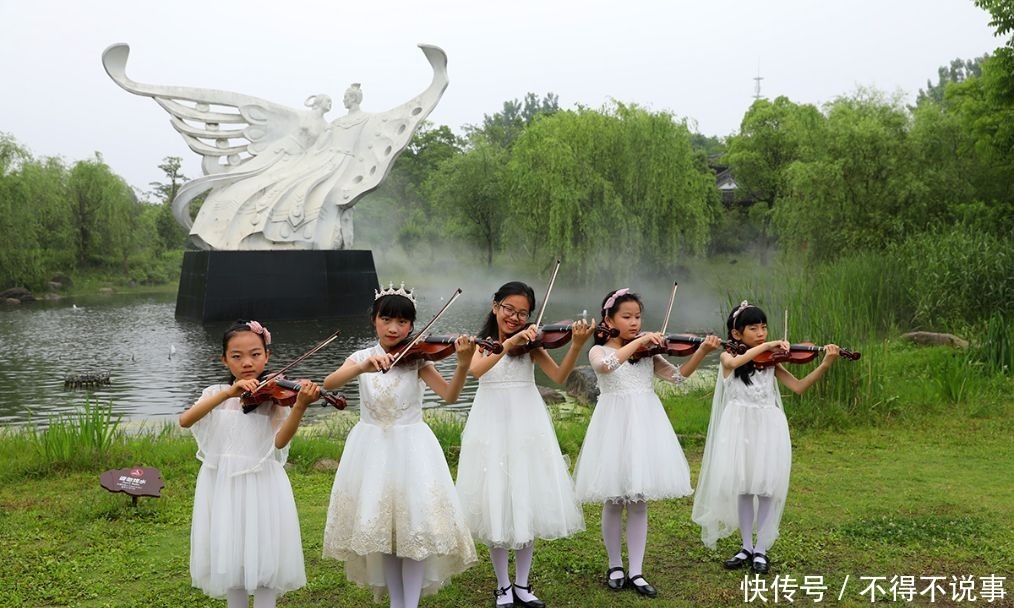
{"type": "Point", "coordinates": [630, 453]}
{"type": "Point", "coordinates": [513, 482]}
{"type": "Point", "coordinates": [245, 539]}
{"type": "Point", "coordinates": [748, 455]}
{"type": "Point", "coordinates": [394, 517]}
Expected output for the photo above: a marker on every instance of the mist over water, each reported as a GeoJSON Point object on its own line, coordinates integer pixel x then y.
{"type": "Point", "coordinates": [158, 365]}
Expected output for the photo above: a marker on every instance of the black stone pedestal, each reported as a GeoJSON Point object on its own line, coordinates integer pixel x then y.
{"type": "Point", "coordinates": [271, 285]}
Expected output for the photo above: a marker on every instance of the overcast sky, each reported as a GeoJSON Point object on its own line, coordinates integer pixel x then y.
{"type": "Point", "coordinates": [696, 59]}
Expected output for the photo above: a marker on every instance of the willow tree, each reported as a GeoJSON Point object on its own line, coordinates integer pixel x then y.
{"type": "Point", "coordinates": [609, 188]}
{"type": "Point", "coordinates": [105, 215]}
{"type": "Point", "coordinates": [862, 187]}
{"type": "Point", "coordinates": [468, 191]}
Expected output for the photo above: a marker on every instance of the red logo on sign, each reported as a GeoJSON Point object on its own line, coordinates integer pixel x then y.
{"type": "Point", "coordinates": [136, 472]}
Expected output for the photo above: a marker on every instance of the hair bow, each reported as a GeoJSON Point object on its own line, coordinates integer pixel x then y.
{"type": "Point", "coordinates": [260, 330]}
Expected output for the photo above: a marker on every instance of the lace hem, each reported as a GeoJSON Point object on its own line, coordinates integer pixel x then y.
{"type": "Point", "coordinates": [395, 529]}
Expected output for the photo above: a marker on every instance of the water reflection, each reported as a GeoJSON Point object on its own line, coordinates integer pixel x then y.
{"type": "Point", "coordinates": [158, 365]}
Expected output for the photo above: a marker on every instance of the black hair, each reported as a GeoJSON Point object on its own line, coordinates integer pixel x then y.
{"type": "Point", "coordinates": [490, 329]}
{"type": "Point", "coordinates": [394, 306]}
{"type": "Point", "coordinates": [751, 315]}
{"type": "Point", "coordinates": [239, 326]}
{"type": "Point", "coordinates": [627, 297]}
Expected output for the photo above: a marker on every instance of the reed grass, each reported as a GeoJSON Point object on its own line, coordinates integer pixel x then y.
{"type": "Point", "coordinates": [77, 438]}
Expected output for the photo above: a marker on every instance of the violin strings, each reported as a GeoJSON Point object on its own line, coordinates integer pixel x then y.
{"type": "Point", "coordinates": [298, 359]}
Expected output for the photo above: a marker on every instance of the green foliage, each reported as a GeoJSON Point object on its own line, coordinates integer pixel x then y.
{"type": "Point", "coordinates": [772, 136]}
{"type": "Point", "coordinates": [955, 276]}
{"type": "Point", "coordinates": [958, 71]}
{"type": "Point", "coordinates": [582, 180]}
{"type": "Point", "coordinates": [503, 128]}
{"type": "Point", "coordinates": [56, 220]}
{"type": "Point", "coordinates": [77, 440]}
{"type": "Point", "coordinates": [995, 348]}
{"type": "Point", "coordinates": [469, 190]}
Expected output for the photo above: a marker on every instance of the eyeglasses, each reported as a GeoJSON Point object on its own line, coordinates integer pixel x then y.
{"type": "Point", "coordinates": [510, 311]}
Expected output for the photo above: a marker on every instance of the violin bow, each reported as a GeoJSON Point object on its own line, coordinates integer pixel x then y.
{"type": "Point", "coordinates": [298, 359]}
{"type": "Point", "coordinates": [422, 332]}
{"type": "Point", "coordinates": [786, 325]}
{"type": "Point", "coordinates": [549, 290]}
{"type": "Point", "coordinates": [672, 298]}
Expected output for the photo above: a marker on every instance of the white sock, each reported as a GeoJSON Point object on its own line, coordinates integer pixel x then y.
{"type": "Point", "coordinates": [412, 579]}
{"type": "Point", "coordinates": [746, 520]}
{"type": "Point", "coordinates": [237, 598]}
{"type": "Point", "coordinates": [637, 537]}
{"type": "Point", "coordinates": [499, 557]}
{"type": "Point", "coordinates": [265, 598]}
{"type": "Point", "coordinates": [522, 567]}
{"type": "Point", "coordinates": [612, 535]}
{"type": "Point", "coordinates": [392, 575]}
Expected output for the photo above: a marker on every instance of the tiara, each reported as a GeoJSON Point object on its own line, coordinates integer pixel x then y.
{"type": "Point", "coordinates": [391, 291]}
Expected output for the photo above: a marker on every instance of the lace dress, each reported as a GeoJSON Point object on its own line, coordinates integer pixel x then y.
{"type": "Point", "coordinates": [630, 452]}
{"type": "Point", "coordinates": [245, 531]}
{"type": "Point", "coordinates": [393, 491]}
{"type": "Point", "coordinates": [748, 451]}
{"type": "Point", "coordinates": [513, 482]}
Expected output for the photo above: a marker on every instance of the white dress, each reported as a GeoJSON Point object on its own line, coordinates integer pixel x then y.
{"type": "Point", "coordinates": [245, 531]}
{"type": "Point", "coordinates": [393, 491]}
{"type": "Point", "coordinates": [513, 482]}
{"type": "Point", "coordinates": [748, 451]}
{"type": "Point", "coordinates": [630, 451]}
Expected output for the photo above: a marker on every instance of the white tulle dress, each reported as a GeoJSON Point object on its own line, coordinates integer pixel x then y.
{"type": "Point", "coordinates": [630, 452]}
{"type": "Point", "coordinates": [748, 451]}
{"type": "Point", "coordinates": [245, 531]}
{"type": "Point", "coordinates": [513, 482]}
{"type": "Point", "coordinates": [393, 491]}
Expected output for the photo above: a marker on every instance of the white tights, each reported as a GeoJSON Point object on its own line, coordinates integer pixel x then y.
{"type": "Point", "coordinates": [637, 534]}
{"type": "Point", "coordinates": [240, 598]}
{"type": "Point", "coordinates": [522, 568]}
{"type": "Point", "coordinates": [404, 580]}
{"type": "Point", "coordinates": [746, 520]}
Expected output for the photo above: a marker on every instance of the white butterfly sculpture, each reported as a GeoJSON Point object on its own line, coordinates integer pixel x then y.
{"type": "Point", "coordinates": [276, 177]}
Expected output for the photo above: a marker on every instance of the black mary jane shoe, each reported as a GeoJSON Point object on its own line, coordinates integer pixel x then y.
{"type": "Point", "coordinates": [736, 561]}
{"type": "Point", "coordinates": [498, 593]}
{"type": "Point", "coordinates": [646, 589]}
{"type": "Point", "coordinates": [616, 584]}
{"type": "Point", "coordinates": [536, 603]}
{"type": "Point", "coordinates": [760, 563]}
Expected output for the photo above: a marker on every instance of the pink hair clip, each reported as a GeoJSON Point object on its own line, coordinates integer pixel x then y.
{"type": "Point", "coordinates": [260, 330]}
{"type": "Point", "coordinates": [612, 299]}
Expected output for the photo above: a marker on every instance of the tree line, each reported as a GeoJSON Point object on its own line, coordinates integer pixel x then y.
{"type": "Point", "coordinates": [600, 187]}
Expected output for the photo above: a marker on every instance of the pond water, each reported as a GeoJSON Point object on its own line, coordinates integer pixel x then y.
{"type": "Point", "coordinates": [158, 364]}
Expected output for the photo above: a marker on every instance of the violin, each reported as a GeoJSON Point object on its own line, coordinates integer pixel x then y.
{"type": "Point", "coordinates": [804, 352]}
{"type": "Point", "coordinates": [557, 334]}
{"type": "Point", "coordinates": [683, 345]}
{"type": "Point", "coordinates": [435, 348]}
{"type": "Point", "coordinates": [281, 391]}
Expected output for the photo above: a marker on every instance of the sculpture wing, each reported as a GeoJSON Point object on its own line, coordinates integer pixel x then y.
{"type": "Point", "coordinates": [387, 133]}
{"type": "Point", "coordinates": [199, 115]}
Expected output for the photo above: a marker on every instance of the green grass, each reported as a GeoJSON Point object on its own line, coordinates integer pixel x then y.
{"type": "Point", "coordinates": [912, 485]}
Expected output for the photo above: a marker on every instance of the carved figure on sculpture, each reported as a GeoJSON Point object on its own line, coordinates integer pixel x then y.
{"type": "Point", "coordinates": [277, 177]}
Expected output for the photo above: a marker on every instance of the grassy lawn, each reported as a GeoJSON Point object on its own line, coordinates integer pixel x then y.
{"type": "Point", "coordinates": [917, 491]}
